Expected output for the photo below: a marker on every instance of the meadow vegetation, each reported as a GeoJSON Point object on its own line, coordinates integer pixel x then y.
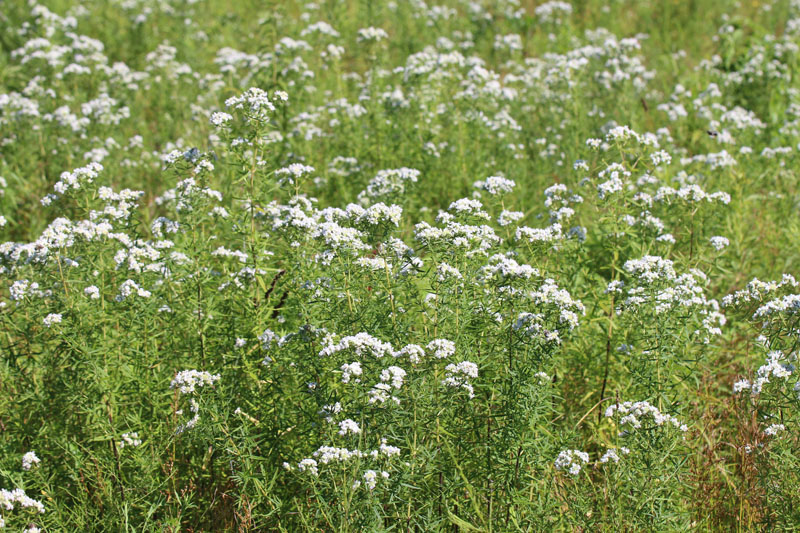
{"type": "Point", "coordinates": [358, 265]}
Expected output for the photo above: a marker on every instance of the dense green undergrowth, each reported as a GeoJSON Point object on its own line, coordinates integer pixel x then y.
{"type": "Point", "coordinates": [399, 266]}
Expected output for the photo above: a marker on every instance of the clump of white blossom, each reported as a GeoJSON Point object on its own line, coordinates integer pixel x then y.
{"type": "Point", "coordinates": [571, 461]}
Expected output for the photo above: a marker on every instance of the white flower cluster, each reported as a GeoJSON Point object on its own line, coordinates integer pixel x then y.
{"type": "Point", "coordinates": [660, 286]}
{"type": "Point", "coordinates": [511, 42]}
{"type": "Point", "coordinates": [291, 174]}
{"type": "Point", "coordinates": [496, 185]}
{"type": "Point", "coordinates": [52, 318]}
{"type": "Point", "coordinates": [549, 294]}
{"type": "Point", "coordinates": [553, 12]}
{"type": "Point", "coordinates": [558, 201]}
{"type": "Point", "coordinates": [756, 290]}
{"type": "Point", "coordinates": [414, 352]}
{"type": "Point", "coordinates": [633, 415]}
{"type": "Point", "coordinates": [220, 118]}
{"type": "Point", "coordinates": [625, 133]}
{"type": "Point", "coordinates": [465, 206]}
{"type": "Point", "coordinates": [549, 234]}
{"type": "Point", "coordinates": [130, 287]}
{"type": "Point", "coordinates": [326, 455]}
{"type": "Point", "coordinates": [786, 305]}
{"type": "Point", "coordinates": [441, 348]}
{"type": "Point", "coordinates": [693, 194]}
{"type": "Point", "coordinates": [389, 182]}
{"type": "Point", "coordinates": [773, 429]}
{"type": "Point", "coordinates": [17, 497]}
{"type": "Point", "coordinates": [371, 479]}
{"type": "Point", "coordinates": [29, 460]}
{"type": "Point", "coordinates": [502, 268]}
{"type": "Point", "coordinates": [612, 455]}
{"type": "Point", "coordinates": [445, 272]}
{"type": "Point", "coordinates": [187, 381]}
{"type": "Point", "coordinates": [719, 243]}
{"type": "Point", "coordinates": [372, 34]}
{"type": "Point", "coordinates": [361, 344]}
{"type": "Point", "coordinates": [617, 176]}
{"type": "Point", "coordinates": [506, 218]}
{"type": "Point", "coordinates": [129, 439]}
{"type": "Point", "coordinates": [19, 289]}
{"type": "Point", "coordinates": [372, 215]}
{"type": "Point", "coordinates": [571, 461]}
{"type": "Point", "coordinates": [92, 292]}
{"type": "Point", "coordinates": [349, 427]}
{"type": "Point", "coordinates": [339, 238]}
{"type": "Point", "coordinates": [458, 376]}
{"type": "Point", "coordinates": [776, 366]}
{"type": "Point", "coordinates": [474, 240]}
{"type": "Point", "coordinates": [714, 161]}
{"type": "Point", "coordinates": [557, 310]}
{"type": "Point", "coordinates": [77, 178]}
{"type": "Point", "coordinates": [391, 379]}
{"type": "Point", "coordinates": [255, 103]}
{"type": "Point", "coordinates": [351, 369]}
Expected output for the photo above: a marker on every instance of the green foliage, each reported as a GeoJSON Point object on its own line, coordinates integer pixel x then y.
{"type": "Point", "coordinates": [397, 266]}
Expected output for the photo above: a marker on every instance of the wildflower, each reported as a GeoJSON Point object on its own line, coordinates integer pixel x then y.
{"type": "Point", "coordinates": [389, 182]}
{"type": "Point", "coordinates": [8, 498]}
{"type": "Point", "coordinates": [441, 348]}
{"type": "Point", "coordinates": [187, 381]}
{"type": "Point", "coordinates": [414, 352]}
{"type": "Point", "coordinates": [741, 385]}
{"type": "Point", "coordinates": [348, 426]}
{"type": "Point", "coordinates": [511, 42]}
{"type": "Point", "coordinates": [719, 242]}
{"type": "Point", "coordinates": [502, 268]}
{"type": "Point", "coordinates": [572, 461]}
{"type": "Point", "coordinates": [469, 206]}
{"type": "Point", "coordinates": [370, 479]}
{"type": "Point", "coordinates": [615, 286]}
{"type": "Point", "coordinates": [308, 464]}
{"type": "Point", "coordinates": [129, 439]}
{"type": "Point", "coordinates": [372, 34]}
{"type": "Point", "coordinates": [509, 217]}
{"type": "Point", "coordinates": [291, 174]}
{"type": "Point", "coordinates": [220, 119]}
{"type": "Point", "coordinates": [660, 157]}
{"type": "Point", "coordinates": [52, 318]}
{"type": "Point", "coordinates": [388, 450]}
{"type": "Point", "coordinates": [634, 414]}
{"type": "Point", "coordinates": [612, 455]}
{"type": "Point", "coordinates": [496, 185]}
{"type": "Point", "coordinates": [393, 375]}
{"type": "Point", "coordinates": [92, 292]}
{"type": "Point", "coordinates": [19, 289]}
{"type": "Point", "coordinates": [553, 12]}
{"type": "Point", "coordinates": [774, 429]}
{"type": "Point", "coordinates": [580, 164]}
{"type": "Point", "coordinates": [29, 460]}
{"type": "Point", "coordinates": [254, 102]}
{"type": "Point", "coordinates": [360, 344]}
{"type": "Point", "coordinates": [533, 235]}
{"type": "Point", "coordinates": [445, 272]}
{"type": "Point", "coordinates": [458, 375]}
{"type": "Point", "coordinates": [77, 178]}
{"type": "Point", "coordinates": [349, 370]}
